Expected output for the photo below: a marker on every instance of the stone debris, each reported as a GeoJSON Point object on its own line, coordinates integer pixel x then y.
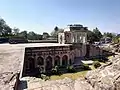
{"type": "Point", "coordinates": [106, 77]}
{"type": "Point", "coordinates": [64, 84]}
{"type": "Point", "coordinates": [10, 64]}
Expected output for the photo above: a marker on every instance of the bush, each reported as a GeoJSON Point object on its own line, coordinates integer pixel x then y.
{"type": "Point", "coordinates": [70, 69]}
{"type": "Point", "coordinates": [100, 60]}
{"type": "Point", "coordinates": [55, 70]}
{"type": "Point", "coordinates": [62, 66]}
{"type": "Point", "coordinates": [44, 77]}
{"type": "Point", "coordinates": [86, 67]}
{"type": "Point", "coordinates": [96, 64]}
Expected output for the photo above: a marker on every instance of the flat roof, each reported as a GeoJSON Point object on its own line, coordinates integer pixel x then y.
{"type": "Point", "coordinates": [44, 44]}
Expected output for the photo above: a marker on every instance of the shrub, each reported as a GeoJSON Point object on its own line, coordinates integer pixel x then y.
{"type": "Point", "coordinates": [44, 77]}
{"type": "Point", "coordinates": [100, 59]}
{"type": "Point", "coordinates": [86, 67]}
{"type": "Point", "coordinates": [55, 70]}
{"type": "Point", "coordinates": [62, 66]}
{"type": "Point", "coordinates": [96, 64]}
{"type": "Point", "coordinates": [70, 69]}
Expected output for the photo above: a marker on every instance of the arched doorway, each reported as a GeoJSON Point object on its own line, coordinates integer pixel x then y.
{"type": "Point", "coordinates": [49, 63]}
{"type": "Point", "coordinates": [57, 61]}
{"type": "Point", "coordinates": [30, 65]}
{"type": "Point", "coordinates": [40, 61]}
{"type": "Point", "coordinates": [64, 60]}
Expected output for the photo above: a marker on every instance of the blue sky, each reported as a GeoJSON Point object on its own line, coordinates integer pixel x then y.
{"type": "Point", "coordinates": [43, 15]}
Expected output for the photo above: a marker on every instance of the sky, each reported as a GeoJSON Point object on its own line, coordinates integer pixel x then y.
{"type": "Point", "coordinates": [43, 15]}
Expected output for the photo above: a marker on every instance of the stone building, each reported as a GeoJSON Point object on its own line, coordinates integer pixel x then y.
{"type": "Point", "coordinates": [73, 34]}
{"type": "Point", "coordinates": [71, 44]}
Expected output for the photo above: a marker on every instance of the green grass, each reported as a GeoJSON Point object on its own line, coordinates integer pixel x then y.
{"type": "Point", "coordinates": [73, 76]}
{"type": "Point", "coordinates": [69, 75]}
{"type": "Point", "coordinates": [110, 57]}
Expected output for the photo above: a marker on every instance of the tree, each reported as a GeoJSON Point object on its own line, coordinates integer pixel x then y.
{"type": "Point", "coordinates": [55, 32]}
{"type": "Point", "coordinates": [56, 28]}
{"type": "Point", "coordinates": [16, 31]}
{"type": "Point", "coordinates": [45, 35]}
{"type": "Point", "coordinates": [2, 22]}
{"type": "Point", "coordinates": [5, 30]}
{"type": "Point", "coordinates": [97, 34]}
{"type": "Point", "coordinates": [23, 34]}
{"type": "Point", "coordinates": [111, 35]}
{"type": "Point", "coordinates": [33, 36]}
{"type": "Point", "coordinates": [91, 36]}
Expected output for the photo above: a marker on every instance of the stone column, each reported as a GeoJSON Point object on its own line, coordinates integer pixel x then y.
{"type": "Point", "coordinates": [60, 61]}
{"type": "Point", "coordinates": [68, 61]}
{"type": "Point", "coordinates": [44, 64]}
{"type": "Point", "coordinates": [53, 61]}
{"type": "Point", "coordinates": [36, 60]}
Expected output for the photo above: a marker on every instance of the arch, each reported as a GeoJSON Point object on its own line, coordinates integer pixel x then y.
{"type": "Point", "coordinates": [64, 60]}
{"type": "Point", "coordinates": [30, 65]}
{"type": "Point", "coordinates": [40, 61]}
{"type": "Point", "coordinates": [57, 60]}
{"type": "Point", "coordinates": [48, 63]}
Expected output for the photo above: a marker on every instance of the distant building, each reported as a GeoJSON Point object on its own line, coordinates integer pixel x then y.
{"type": "Point", "coordinates": [73, 34]}
{"type": "Point", "coordinates": [106, 40]}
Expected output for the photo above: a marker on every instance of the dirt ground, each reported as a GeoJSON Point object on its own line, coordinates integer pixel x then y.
{"type": "Point", "coordinates": [11, 56]}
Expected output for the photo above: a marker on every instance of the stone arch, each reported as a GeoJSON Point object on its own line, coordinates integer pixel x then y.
{"type": "Point", "coordinates": [64, 60]}
{"type": "Point", "coordinates": [48, 63]}
{"type": "Point", "coordinates": [30, 65]}
{"type": "Point", "coordinates": [57, 60]}
{"type": "Point", "coordinates": [40, 61]}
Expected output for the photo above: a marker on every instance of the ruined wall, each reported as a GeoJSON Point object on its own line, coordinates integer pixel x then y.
{"type": "Point", "coordinates": [36, 55]}
{"type": "Point", "coordinates": [95, 50]}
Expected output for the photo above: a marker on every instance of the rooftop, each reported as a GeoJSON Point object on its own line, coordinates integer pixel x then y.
{"type": "Point", "coordinates": [43, 44]}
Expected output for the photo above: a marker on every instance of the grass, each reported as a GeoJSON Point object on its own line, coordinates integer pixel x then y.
{"type": "Point", "coordinates": [73, 76]}
{"type": "Point", "coordinates": [110, 57]}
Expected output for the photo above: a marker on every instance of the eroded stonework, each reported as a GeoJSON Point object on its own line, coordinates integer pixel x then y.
{"type": "Point", "coordinates": [71, 44]}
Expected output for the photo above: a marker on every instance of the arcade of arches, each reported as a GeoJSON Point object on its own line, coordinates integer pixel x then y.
{"type": "Point", "coordinates": [44, 58]}
{"type": "Point", "coordinates": [46, 64]}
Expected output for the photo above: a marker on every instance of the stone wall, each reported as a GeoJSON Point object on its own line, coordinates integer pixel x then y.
{"type": "Point", "coordinates": [95, 51]}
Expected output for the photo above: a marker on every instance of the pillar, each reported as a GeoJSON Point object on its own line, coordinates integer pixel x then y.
{"type": "Point", "coordinates": [53, 61]}
{"type": "Point", "coordinates": [44, 64]}
{"type": "Point", "coordinates": [60, 61]}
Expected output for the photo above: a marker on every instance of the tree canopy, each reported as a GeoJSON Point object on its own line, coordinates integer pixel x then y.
{"type": "Point", "coordinates": [108, 34]}
{"type": "Point", "coordinates": [97, 34]}
{"type": "Point", "coordinates": [94, 35]}
{"type": "Point", "coordinates": [55, 32]}
{"type": "Point", "coordinates": [5, 30]}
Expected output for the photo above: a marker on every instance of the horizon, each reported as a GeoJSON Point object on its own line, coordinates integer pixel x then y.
{"type": "Point", "coordinates": [42, 16]}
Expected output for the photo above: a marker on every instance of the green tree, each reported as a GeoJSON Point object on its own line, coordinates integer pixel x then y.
{"type": "Point", "coordinates": [5, 30]}
{"type": "Point", "coordinates": [91, 36]}
{"type": "Point", "coordinates": [33, 36]}
{"type": "Point", "coordinates": [116, 39]}
{"type": "Point", "coordinates": [23, 34]}
{"type": "Point", "coordinates": [16, 31]}
{"type": "Point", "coordinates": [108, 34]}
{"type": "Point", "coordinates": [56, 28]}
{"type": "Point", "coordinates": [55, 32]}
{"type": "Point", "coordinates": [45, 35]}
{"type": "Point", "coordinates": [97, 34]}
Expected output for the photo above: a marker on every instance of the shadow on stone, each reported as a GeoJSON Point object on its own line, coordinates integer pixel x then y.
{"type": "Point", "coordinates": [23, 85]}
